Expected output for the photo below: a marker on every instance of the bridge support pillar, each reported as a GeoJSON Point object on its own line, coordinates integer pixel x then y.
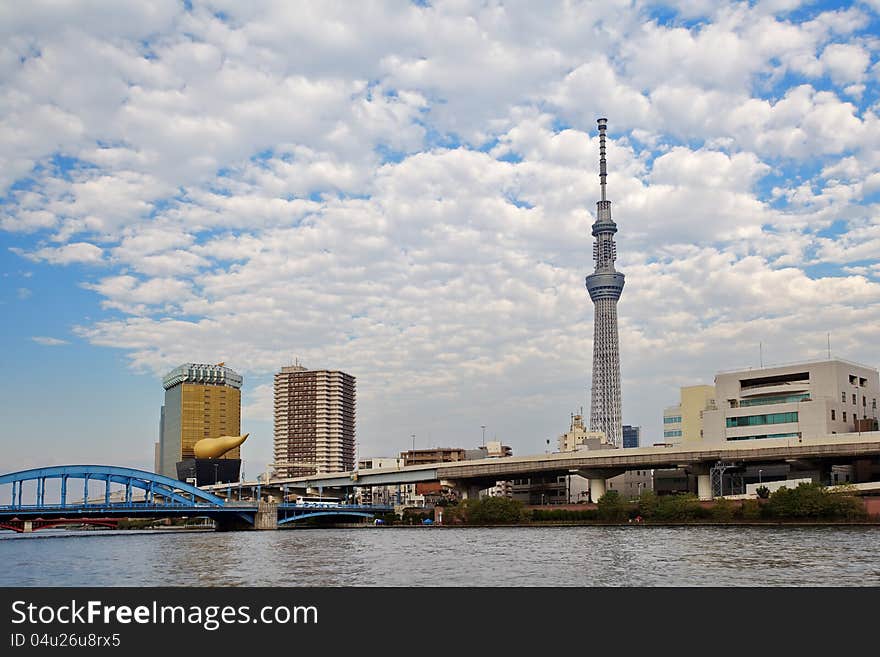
{"type": "Point", "coordinates": [28, 526]}
{"type": "Point", "coordinates": [267, 516]}
{"type": "Point", "coordinates": [704, 486]}
{"type": "Point", "coordinates": [597, 489]}
{"type": "Point", "coordinates": [704, 480]}
{"type": "Point", "coordinates": [470, 492]}
{"type": "Point", "coordinates": [597, 478]}
{"type": "Point", "coordinates": [465, 489]}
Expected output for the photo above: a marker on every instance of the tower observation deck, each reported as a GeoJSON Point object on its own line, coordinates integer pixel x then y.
{"type": "Point", "coordinates": [605, 285]}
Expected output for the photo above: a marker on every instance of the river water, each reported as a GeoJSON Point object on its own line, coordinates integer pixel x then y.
{"type": "Point", "coordinates": [426, 556]}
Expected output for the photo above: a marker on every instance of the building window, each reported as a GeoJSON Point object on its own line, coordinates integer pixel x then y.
{"type": "Point", "coordinates": [769, 418]}
{"type": "Point", "coordinates": [843, 397]}
{"type": "Point", "coordinates": [844, 416]}
{"type": "Point", "coordinates": [772, 435]}
{"type": "Point", "coordinates": [854, 399]}
{"type": "Point", "coordinates": [832, 415]}
{"type": "Point", "coordinates": [776, 399]}
{"type": "Point", "coordinates": [864, 401]}
{"type": "Point", "coordinates": [672, 419]}
{"type": "Point", "coordinates": [672, 434]}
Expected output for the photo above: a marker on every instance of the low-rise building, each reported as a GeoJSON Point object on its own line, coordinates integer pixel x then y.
{"type": "Point", "coordinates": [435, 455]}
{"type": "Point", "coordinates": [559, 489]}
{"type": "Point", "coordinates": [683, 423]}
{"type": "Point", "coordinates": [579, 437]}
{"type": "Point", "coordinates": [631, 484]}
{"type": "Point", "coordinates": [397, 495]}
{"type": "Point", "coordinates": [793, 401]}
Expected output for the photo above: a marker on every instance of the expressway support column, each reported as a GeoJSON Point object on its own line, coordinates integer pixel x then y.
{"type": "Point", "coordinates": [466, 490]}
{"type": "Point", "coordinates": [28, 526]}
{"type": "Point", "coordinates": [704, 487]}
{"type": "Point", "coordinates": [597, 489]}
{"type": "Point", "coordinates": [470, 492]}
{"type": "Point", "coordinates": [598, 479]}
{"type": "Point", "coordinates": [704, 481]}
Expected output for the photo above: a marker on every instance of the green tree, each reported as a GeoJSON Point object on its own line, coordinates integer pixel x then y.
{"type": "Point", "coordinates": [611, 507]}
{"type": "Point", "coordinates": [647, 504]}
{"type": "Point", "coordinates": [813, 501]}
{"type": "Point", "coordinates": [487, 511]}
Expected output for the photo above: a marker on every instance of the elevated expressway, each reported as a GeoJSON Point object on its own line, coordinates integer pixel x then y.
{"type": "Point", "coordinates": [599, 465]}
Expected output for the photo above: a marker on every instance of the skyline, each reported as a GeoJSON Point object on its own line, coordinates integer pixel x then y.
{"type": "Point", "coordinates": [404, 192]}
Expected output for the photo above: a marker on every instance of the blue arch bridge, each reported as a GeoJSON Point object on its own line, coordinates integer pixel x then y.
{"type": "Point", "coordinates": [64, 494]}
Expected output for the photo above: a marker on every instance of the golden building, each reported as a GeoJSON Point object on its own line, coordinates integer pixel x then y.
{"type": "Point", "coordinates": [201, 401]}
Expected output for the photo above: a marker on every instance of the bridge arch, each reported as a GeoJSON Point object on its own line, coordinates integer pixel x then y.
{"type": "Point", "coordinates": [154, 485]}
{"type": "Point", "coordinates": [329, 512]}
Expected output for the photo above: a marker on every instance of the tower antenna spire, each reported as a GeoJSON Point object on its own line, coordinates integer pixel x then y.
{"type": "Point", "coordinates": [603, 171]}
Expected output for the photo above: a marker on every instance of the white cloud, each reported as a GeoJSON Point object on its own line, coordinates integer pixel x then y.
{"type": "Point", "coordinates": [48, 342]}
{"type": "Point", "coordinates": [83, 252]}
{"type": "Point", "coordinates": [845, 62]}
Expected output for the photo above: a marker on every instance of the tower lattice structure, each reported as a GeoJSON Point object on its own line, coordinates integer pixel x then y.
{"type": "Point", "coordinates": [605, 285]}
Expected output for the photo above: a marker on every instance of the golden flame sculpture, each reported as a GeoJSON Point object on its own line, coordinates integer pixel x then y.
{"type": "Point", "coordinates": [214, 448]}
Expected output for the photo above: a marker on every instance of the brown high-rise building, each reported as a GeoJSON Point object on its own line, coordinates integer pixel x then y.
{"type": "Point", "coordinates": [314, 421]}
{"type": "Point", "coordinates": [201, 401]}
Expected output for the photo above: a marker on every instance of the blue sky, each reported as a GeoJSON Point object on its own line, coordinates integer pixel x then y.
{"type": "Point", "coordinates": [404, 191]}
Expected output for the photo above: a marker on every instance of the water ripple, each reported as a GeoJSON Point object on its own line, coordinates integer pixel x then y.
{"type": "Point", "coordinates": [527, 556]}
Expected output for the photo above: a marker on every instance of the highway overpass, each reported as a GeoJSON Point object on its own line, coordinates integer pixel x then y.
{"type": "Point", "coordinates": [599, 465]}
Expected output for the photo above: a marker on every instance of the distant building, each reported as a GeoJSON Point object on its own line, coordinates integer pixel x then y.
{"type": "Point", "coordinates": [631, 484]}
{"type": "Point", "coordinates": [631, 436]}
{"type": "Point", "coordinates": [491, 450]}
{"type": "Point", "coordinates": [380, 463]}
{"type": "Point", "coordinates": [435, 455]}
{"type": "Point", "coordinates": [671, 481]}
{"type": "Point", "coordinates": [683, 423]}
{"type": "Point", "coordinates": [579, 437]}
{"type": "Point", "coordinates": [201, 401]}
{"type": "Point", "coordinates": [672, 424]}
{"type": "Point", "coordinates": [802, 400]}
{"type": "Point", "coordinates": [400, 495]}
{"type": "Point", "coordinates": [420, 494]}
{"type": "Point", "coordinates": [314, 421]}
{"type": "Point", "coordinates": [551, 489]}
{"type": "Point", "coordinates": [501, 489]}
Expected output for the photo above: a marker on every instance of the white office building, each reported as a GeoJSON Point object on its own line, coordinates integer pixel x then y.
{"type": "Point", "coordinates": [801, 400]}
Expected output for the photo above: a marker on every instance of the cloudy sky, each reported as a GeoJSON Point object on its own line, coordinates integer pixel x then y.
{"type": "Point", "coordinates": [404, 191]}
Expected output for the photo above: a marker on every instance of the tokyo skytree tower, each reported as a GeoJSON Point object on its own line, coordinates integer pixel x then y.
{"type": "Point", "coordinates": [605, 285]}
